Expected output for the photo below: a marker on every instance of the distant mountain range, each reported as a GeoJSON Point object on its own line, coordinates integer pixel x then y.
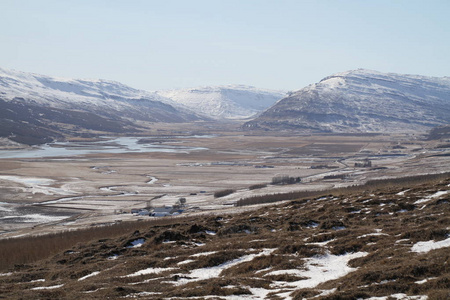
{"type": "Point", "coordinates": [225, 102]}
{"type": "Point", "coordinates": [362, 101]}
{"type": "Point", "coordinates": [37, 109]}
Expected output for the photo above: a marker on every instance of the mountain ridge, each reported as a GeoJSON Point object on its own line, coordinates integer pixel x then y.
{"type": "Point", "coordinates": [362, 101]}
{"type": "Point", "coordinates": [39, 108]}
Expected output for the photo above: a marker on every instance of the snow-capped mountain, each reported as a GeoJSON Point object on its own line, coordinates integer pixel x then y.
{"type": "Point", "coordinates": [38, 104]}
{"type": "Point", "coordinates": [362, 101]}
{"type": "Point", "coordinates": [225, 102]}
{"type": "Point", "coordinates": [97, 95]}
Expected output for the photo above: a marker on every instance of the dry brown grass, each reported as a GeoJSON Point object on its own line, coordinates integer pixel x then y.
{"type": "Point", "coordinates": [372, 221]}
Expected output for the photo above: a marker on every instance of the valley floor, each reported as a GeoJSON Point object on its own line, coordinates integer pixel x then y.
{"type": "Point", "coordinates": [57, 193]}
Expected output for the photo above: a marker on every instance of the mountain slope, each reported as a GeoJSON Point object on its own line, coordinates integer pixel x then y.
{"type": "Point", "coordinates": [362, 101]}
{"type": "Point", "coordinates": [41, 104]}
{"type": "Point", "coordinates": [385, 241]}
{"type": "Point", "coordinates": [225, 102]}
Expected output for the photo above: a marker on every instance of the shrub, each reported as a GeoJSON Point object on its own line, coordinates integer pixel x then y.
{"type": "Point", "coordinates": [257, 186]}
{"type": "Point", "coordinates": [223, 193]}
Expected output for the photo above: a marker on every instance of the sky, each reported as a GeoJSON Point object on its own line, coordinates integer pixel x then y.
{"type": "Point", "coordinates": [273, 44]}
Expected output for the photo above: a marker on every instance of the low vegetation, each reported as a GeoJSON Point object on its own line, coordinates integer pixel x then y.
{"type": "Point", "coordinates": [223, 193]}
{"type": "Point", "coordinates": [383, 239]}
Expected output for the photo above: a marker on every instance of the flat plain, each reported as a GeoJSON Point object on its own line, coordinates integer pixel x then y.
{"type": "Point", "coordinates": [49, 194]}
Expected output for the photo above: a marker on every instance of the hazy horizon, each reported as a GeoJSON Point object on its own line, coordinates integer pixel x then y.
{"type": "Point", "coordinates": [282, 45]}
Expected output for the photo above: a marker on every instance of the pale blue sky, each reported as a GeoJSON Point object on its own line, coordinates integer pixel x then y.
{"type": "Point", "coordinates": [277, 44]}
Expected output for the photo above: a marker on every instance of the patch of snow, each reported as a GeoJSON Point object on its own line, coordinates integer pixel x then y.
{"type": "Point", "coordinates": [89, 275]}
{"type": "Point", "coordinates": [285, 272]}
{"type": "Point", "coordinates": [210, 232]}
{"type": "Point", "coordinates": [146, 281]}
{"type": "Point", "coordinates": [425, 247]}
{"type": "Point", "coordinates": [169, 242]}
{"type": "Point", "coordinates": [137, 243]}
{"type": "Point", "coordinates": [47, 287]}
{"type": "Point", "coordinates": [113, 257]}
{"type": "Point", "coordinates": [425, 280]}
{"type": "Point", "coordinates": [401, 241]}
{"type": "Point", "coordinates": [36, 218]}
{"type": "Point", "coordinates": [321, 269]}
{"type": "Point", "coordinates": [152, 180]}
{"type": "Point", "coordinates": [6, 274]}
{"type": "Point", "coordinates": [203, 253]}
{"type": "Point", "coordinates": [148, 271]}
{"type": "Point", "coordinates": [321, 243]}
{"type": "Point", "coordinates": [399, 297]}
{"type": "Point", "coordinates": [213, 272]}
{"type": "Point", "coordinates": [372, 234]}
{"type": "Point", "coordinates": [326, 293]}
{"type": "Point", "coordinates": [185, 262]}
{"type": "Point", "coordinates": [36, 185]}
{"type": "Point", "coordinates": [402, 193]}
{"type": "Point", "coordinates": [431, 197]}
{"type": "Point", "coordinates": [142, 294]}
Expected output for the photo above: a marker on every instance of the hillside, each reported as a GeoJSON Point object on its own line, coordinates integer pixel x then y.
{"type": "Point", "coordinates": [37, 108]}
{"type": "Point", "coordinates": [383, 241]}
{"type": "Point", "coordinates": [362, 101]}
{"type": "Point", "coordinates": [225, 102]}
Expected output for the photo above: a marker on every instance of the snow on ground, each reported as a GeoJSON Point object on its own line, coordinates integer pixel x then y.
{"type": "Point", "coordinates": [425, 280]}
{"type": "Point", "coordinates": [137, 243]}
{"type": "Point", "coordinates": [142, 294]}
{"type": "Point", "coordinates": [48, 287]}
{"type": "Point", "coordinates": [213, 272]}
{"type": "Point", "coordinates": [431, 197]}
{"type": "Point", "coordinates": [184, 262]}
{"type": "Point", "coordinates": [149, 271]}
{"type": "Point", "coordinates": [320, 269]}
{"type": "Point", "coordinates": [36, 218]}
{"type": "Point", "coordinates": [152, 180]}
{"type": "Point", "coordinates": [203, 254]}
{"type": "Point", "coordinates": [377, 233]}
{"type": "Point", "coordinates": [89, 275]}
{"type": "Point", "coordinates": [38, 185]}
{"type": "Point", "coordinates": [399, 296]}
{"type": "Point", "coordinates": [425, 247]}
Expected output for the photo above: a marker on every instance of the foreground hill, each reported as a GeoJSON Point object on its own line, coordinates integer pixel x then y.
{"type": "Point", "coordinates": [225, 102]}
{"type": "Point", "coordinates": [362, 101]}
{"type": "Point", "coordinates": [388, 240]}
{"type": "Point", "coordinates": [37, 108]}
